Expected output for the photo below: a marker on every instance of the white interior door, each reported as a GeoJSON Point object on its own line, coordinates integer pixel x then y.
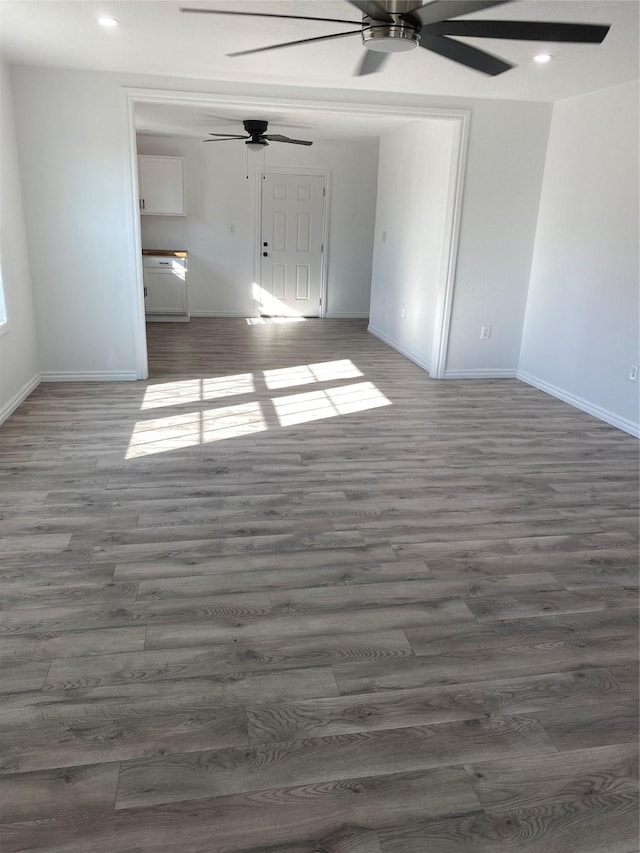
{"type": "Point", "coordinates": [291, 244]}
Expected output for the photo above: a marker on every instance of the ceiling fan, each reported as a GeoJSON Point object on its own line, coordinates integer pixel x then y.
{"type": "Point", "coordinates": [392, 26]}
{"type": "Point", "coordinates": [256, 139]}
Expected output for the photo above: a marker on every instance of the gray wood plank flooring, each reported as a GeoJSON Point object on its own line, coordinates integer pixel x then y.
{"type": "Point", "coordinates": [291, 595]}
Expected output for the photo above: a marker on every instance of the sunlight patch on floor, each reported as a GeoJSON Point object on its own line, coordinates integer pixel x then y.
{"type": "Point", "coordinates": [316, 405]}
{"type": "Point", "coordinates": [268, 321]}
{"type": "Point", "coordinates": [196, 426]}
{"type": "Point", "coordinates": [305, 374]}
{"type": "Point", "coordinates": [159, 435]}
{"type": "Point", "coordinates": [194, 390]}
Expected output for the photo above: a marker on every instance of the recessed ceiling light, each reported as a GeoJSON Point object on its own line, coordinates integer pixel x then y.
{"type": "Point", "coordinates": [542, 57]}
{"type": "Point", "coordinates": [107, 22]}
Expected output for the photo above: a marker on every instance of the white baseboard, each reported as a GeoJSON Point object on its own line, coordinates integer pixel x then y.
{"type": "Point", "coordinates": [385, 340]}
{"type": "Point", "coordinates": [243, 315]}
{"type": "Point", "coordinates": [347, 315]}
{"type": "Point", "coordinates": [579, 403]}
{"type": "Point", "coordinates": [89, 376]}
{"type": "Point", "coordinates": [11, 405]}
{"type": "Point", "coordinates": [482, 373]}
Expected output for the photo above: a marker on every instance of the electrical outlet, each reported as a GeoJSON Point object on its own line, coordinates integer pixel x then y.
{"type": "Point", "coordinates": [485, 333]}
{"type": "Point", "coordinates": [402, 312]}
{"type": "Point", "coordinates": [633, 373]}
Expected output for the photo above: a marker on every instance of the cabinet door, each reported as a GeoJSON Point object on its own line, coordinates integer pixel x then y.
{"type": "Point", "coordinates": [161, 185]}
{"type": "Point", "coordinates": [166, 292]}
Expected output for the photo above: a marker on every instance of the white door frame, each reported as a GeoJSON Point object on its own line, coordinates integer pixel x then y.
{"type": "Point", "coordinates": [257, 225]}
{"type": "Point", "coordinates": [133, 215]}
{"type": "Point", "coordinates": [460, 118]}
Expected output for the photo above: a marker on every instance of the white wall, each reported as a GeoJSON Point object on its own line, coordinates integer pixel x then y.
{"type": "Point", "coordinates": [581, 329]}
{"type": "Point", "coordinates": [414, 177]}
{"type": "Point", "coordinates": [221, 265]}
{"type": "Point", "coordinates": [71, 125]}
{"type": "Point", "coordinates": [70, 131]}
{"type": "Point", "coordinates": [505, 164]}
{"type": "Point", "coordinates": [19, 363]}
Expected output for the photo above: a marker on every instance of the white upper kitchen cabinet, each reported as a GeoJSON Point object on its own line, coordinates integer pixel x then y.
{"type": "Point", "coordinates": [161, 185]}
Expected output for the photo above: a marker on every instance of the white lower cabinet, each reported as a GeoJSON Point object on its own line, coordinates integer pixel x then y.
{"type": "Point", "coordinates": [165, 288]}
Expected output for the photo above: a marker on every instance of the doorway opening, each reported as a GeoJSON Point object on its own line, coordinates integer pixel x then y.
{"type": "Point", "coordinates": [320, 244]}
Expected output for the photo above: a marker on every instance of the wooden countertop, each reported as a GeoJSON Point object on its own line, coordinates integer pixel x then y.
{"type": "Point", "coordinates": [166, 253]}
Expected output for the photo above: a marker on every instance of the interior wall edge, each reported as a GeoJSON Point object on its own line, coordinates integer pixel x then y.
{"type": "Point", "coordinates": [587, 406]}
{"type": "Point", "coordinates": [20, 359]}
{"type": "Point", "coordinates": [19, 397]}
{"type": "Point", "coordinates": [89, 376]}
{"type": "Point", "coordinates": [390, 343]}
{"type": "Point", "coordinates": [482, 373]}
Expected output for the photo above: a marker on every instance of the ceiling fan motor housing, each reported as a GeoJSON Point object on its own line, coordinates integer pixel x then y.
{"type": "Point", "coordinates": [385, 37]}
{"type": "Point", "coordinates": [256, 128]}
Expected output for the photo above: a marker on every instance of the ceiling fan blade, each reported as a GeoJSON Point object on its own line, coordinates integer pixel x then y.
{"type": "Point", "coordinates": [226, 139]}
{"type": "Point", "coordinates": [371, 62]}
{"type": "Point", "coordinates": [522, 30]}
{"type": "Point", "coordinates": [372, 9]}
{"type": "Point", "coordinates": [266, 15]}
{"type": "Point", "coordinates": [465, 54]}
{"type": "Point", "coordinates": [228, 136]}
{"type": "Point", "coordinates": [277, 137]}
{"type": "Point", "coordinates": [292, 43]}
{"type": "Point", "coordinates": [442, 10]}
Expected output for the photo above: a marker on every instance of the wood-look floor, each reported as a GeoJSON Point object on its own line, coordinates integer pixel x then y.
{"type": "Point", "coordinates": [293, 596]}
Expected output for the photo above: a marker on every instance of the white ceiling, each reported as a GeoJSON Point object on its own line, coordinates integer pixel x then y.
{"type": "Point", "coordinates": [155, 38]}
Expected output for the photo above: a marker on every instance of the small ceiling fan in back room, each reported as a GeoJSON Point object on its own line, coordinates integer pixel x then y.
{"type": "Point", "coordinates": [394, 26]}
{"type": "Point", "coordinates": [255, 138]}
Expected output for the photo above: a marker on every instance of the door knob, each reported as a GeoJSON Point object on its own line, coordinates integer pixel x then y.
{"type": "Point", "coordinates": [265, 254]}
{"type": "Point", "coordinates": [265, 244]}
